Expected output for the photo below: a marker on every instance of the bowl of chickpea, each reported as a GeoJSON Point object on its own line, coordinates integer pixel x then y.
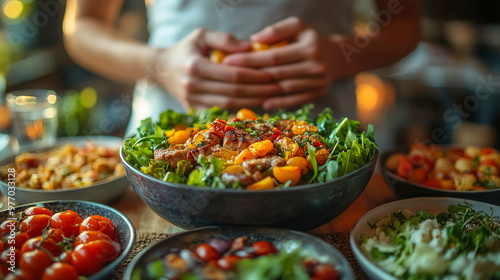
{"type": "Point", "coordinates": [437, 170]}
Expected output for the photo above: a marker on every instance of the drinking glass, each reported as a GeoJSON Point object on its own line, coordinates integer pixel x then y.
{"type": "Point", "coordinates": [33, 116]}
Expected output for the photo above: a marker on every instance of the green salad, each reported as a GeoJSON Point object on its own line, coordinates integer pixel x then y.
{"type": "Point", "coordinates": [211, 148]}
{"type": "Point", "coordinates": [458, 244]}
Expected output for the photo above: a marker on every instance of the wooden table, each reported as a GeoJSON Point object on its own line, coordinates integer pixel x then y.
{"type": "Point", "coordinates": [145, 220]}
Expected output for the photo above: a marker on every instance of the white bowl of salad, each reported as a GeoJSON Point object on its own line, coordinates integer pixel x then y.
{"type": "Point", "coordinates": [429, 238]}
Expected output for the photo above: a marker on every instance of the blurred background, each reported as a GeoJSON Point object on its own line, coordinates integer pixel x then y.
{"type": "Point", "coordinates": [446, 91]}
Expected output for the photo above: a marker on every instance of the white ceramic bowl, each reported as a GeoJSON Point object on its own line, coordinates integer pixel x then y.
{"type": "Point", "coordinates": [430, 204]}
{"type": "Point", "coordinates": [101, 192]}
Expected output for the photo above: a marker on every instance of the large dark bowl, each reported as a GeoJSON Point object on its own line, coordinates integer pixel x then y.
{"type": "Point", "coordinates": [302, 207]}
{"type": "Point", "coordinates": [124, 228]}
{"type": "Point", "coordinates": [282, 238]}
{"type": "Point", "coordinates": [406, 189]}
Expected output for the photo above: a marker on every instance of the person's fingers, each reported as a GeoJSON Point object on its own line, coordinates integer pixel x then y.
{"type": "Point", "coordinates": [223, 41]}
{"type": "Point", "coordinates": [198, 85]}
{"type": "Point", "coordinates": [225, 102]}
{"type": "Point", "coordinates": [203, 67]}
{"type": "Point", "coordinates": [287, 54]}
{"type": "Point", "coordinates": [292, 100]}
{"type": "Point", "coordinates": [294, 70]}
{"type": "Point", "coordinates": [298, 85]}
{"type": "Point", "coordinates": [282, 30]}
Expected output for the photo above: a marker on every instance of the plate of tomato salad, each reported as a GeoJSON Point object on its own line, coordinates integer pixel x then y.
{"type": "Point", "coordinates": [63, 240]}
{"type": "Point", "coordinates": [439, 170]}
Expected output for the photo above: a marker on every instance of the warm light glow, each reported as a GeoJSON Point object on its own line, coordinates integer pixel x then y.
{"type": "Point", "coordinates": [4, 119]}
{"type": "Point", "coordinates": [52, 98]}
{"type": "Point", "coordinates": [88, 97]}
{"type": "Point", "coordinates": [367, 96]}
{"type": "Point", "coordinates": [35, 131]}
{"type": "Point", "coordinates": [25, 100]}
{"type": "Point", "coordinates": [13, 9]}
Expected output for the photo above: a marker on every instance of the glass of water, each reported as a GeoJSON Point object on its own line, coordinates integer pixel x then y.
{"type": "Point", "coordinates": [33, 116]}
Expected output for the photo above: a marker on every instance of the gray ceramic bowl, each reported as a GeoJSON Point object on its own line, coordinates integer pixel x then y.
{"type": "Point", "coordinates": [101, 192]}
{"type": "Point", "coordinates": [125, 229]}
{"type": "Point", "coordinates": [406, 189]}
{"type": "Point", "coordinates": [302, 207]}
{"type": "Point", "coordinates": [430, 204]}
{"type": "Point", "coordinates": [282, 238]}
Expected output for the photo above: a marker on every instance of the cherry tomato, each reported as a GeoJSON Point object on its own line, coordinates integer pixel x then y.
{"type": "Point", "coordinates": [66, 257]}
{"type": "Point", "coordinates": [59, 271]}
{"type": "Point", "coordinates": [35, 242]}
{"type": "Point", "coordinates": [7, 226]}
{"type": "Point", "coordinates": [37, 210]}
{"type": "Point", "coordinates": [21, 275]}
{"type": "Point", "coordinates": [487, 151]}
{"type": "Point", "coordinates": [7, 256]}
{"type": "Point", "coordinates": [56, 234]}
{"type": "Point", "coordinates": [206, 252]}
{"type": "Point", "coordinates": [34, 225]}
{"type": "Point", "coordinates": [91, 257]}
{"type": "Point", "coordinates": [404, 166]}
{"type": "Point", "coordinates": [20, 239]}
{"type": "Point", "coordinates": [228, 262]}
{"type": "Point", "coordinates": [421, 160]}
{"type": "Point", "coordinates": [35, 261]}
{"type": "Point", "coordinates": [88, 236]}
{"type": "Point", "coordinates": [1, 246]}
{"type": "Point", "coordinates": [98, 223]}
{"type": "Point", "coordinates": [264, 248]}
{"type": "Point", "coordinates": [433, 183]}
{"type": "Point", "coordinates": [418, 175]}
{"type": "Point", "coordinates": [325, 272]}
{"type": "Point", "coordinates": [67, 221]}
{"type": "Point", "coordinates": [490, 162]}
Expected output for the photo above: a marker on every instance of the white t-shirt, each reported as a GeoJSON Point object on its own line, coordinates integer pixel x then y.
{"type": "Point", "coordinates": [170, 21]}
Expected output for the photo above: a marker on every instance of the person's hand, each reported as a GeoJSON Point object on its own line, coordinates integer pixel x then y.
{"type": "Point", "coordinates": [185, 71]}
{"type": "Point", "coordinates": [304, 69]}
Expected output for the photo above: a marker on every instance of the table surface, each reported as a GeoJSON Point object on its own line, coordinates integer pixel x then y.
{"type": "Point", "coordinates": [145, 220]}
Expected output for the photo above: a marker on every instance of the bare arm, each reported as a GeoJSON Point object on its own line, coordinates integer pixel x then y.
{"type": "Point", "coordinates": [399, 34]}
{"type": "Point", "coordinates": [92, 40]}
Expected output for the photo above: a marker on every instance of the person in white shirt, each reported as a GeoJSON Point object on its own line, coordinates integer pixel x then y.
{"type": "Point", "coordinates": [173, 70]}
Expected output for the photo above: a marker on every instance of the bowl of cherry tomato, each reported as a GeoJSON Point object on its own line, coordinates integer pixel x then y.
{"type": "Point", "coordinates": [438, 170]}
{"type": "Point", "coordinates": [63, 240]}
{"type": "Point", "coordinates": [240, 253]}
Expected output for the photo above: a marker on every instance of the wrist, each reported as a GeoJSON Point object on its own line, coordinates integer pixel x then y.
{"type": "Point", "coordinates": [155, 70]}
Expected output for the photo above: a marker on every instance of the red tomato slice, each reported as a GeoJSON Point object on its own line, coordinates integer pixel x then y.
{"type": "Point", "coordinates": [418, 175]}
{"type": "Point", "coordinates": [404, 166]}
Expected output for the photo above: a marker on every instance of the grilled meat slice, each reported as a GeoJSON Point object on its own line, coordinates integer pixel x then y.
{"type": "Point", "coordinates": [181, 152]}
{"type": "Point", "coordinates": [261, 164]}
{"type": "Point", "coordinates": [243, 178]}
{"type": "Point", "coordinates": [174, 154]}
{"type": "Point", "coordinates": [239, 139]}
{"type": "Point", "coordinates": [205, 138]}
